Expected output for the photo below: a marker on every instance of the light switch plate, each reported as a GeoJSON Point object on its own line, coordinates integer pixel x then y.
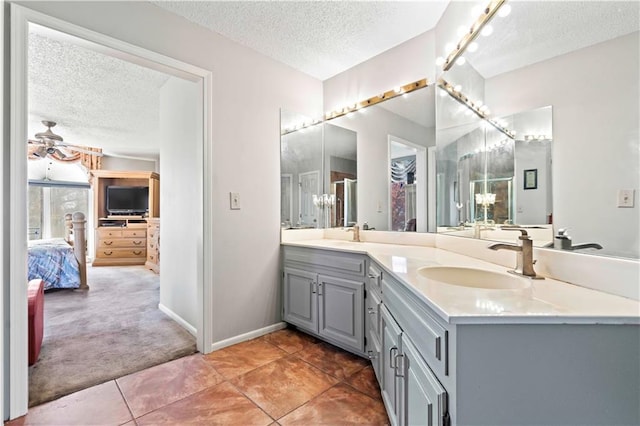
{"type": "Point", "coordinates": [626, 197]}
{"type": "Point", "coordinates": [234, 200]}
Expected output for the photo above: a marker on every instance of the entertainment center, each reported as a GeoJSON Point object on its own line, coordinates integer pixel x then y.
{"type": "Point", "coordinates": [125, 204]}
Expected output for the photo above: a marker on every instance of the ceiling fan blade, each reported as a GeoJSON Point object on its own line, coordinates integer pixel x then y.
{"type": "Point", "coordinates": [41, 152]}
{"type": "Point", "coordinates": [60, 154]}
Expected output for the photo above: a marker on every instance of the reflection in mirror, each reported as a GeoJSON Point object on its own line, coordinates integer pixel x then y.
{"type": "Point", "coordinates": [481, 174]}
{"type": "Point", "coordinates": [539, 55]}
{"type": "Point", "coordinates": [301, 165]}
{"type": "Point", "coordinates": [393, 138]}
{"type": "Point", "coordinates": [340, 174]}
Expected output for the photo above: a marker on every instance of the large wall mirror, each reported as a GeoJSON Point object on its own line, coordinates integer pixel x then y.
{"type": "Point", "coordinates": [369, 166]}
{"type": "Point", "coordinates": [563, 77]}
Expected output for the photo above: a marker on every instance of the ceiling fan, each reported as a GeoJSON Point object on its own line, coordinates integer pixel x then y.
{"type": "Point", "coordinates": [49, 143]}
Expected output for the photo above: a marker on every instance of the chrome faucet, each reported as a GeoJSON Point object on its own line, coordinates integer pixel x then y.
{"type": "Point", "coordinates": [524, 264]}
{"type": "Point", "coordinates": [356, 232]}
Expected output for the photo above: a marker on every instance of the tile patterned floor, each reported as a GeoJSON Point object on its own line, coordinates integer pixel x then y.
{"type": "Point", "coordinates": [283, 378]}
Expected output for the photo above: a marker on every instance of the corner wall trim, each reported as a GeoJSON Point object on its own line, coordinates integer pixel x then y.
{"type": "Point", "coordinates": [177, 318]}
{"type": "Point", "coordinates": [247, 336]}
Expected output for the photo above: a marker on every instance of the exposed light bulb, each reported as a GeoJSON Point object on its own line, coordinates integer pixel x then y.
{"type": "Point", "coordinates": [487, 30]}
{"type": "Point", "coordinates": [439, 61]}
{"type": "Point", "coordinates": [472, 47]}
{"type": "Point", "coordinates": [457, 88]}
{"type": "Point", "coordinates": [397, 90]}
{"type": "Point", "coordinates": [505, 10]}
{"type": "Point", "coordinates": [461, 60]}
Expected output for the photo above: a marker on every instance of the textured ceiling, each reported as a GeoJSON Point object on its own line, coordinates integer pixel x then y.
{"type": "Point", "coordinates": [97, 100]}
{"type": "Point", "coordinates": [319, 38]}
{"type": "Point", "coordinates": [535, 31]}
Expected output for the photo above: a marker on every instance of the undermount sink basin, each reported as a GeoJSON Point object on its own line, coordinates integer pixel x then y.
{"type": "Point", "coordinates": [472, 278]}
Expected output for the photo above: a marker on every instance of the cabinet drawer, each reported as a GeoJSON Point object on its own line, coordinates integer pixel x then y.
{"type": "Point", "coordinates": [373, 312]}
{"type": "Point", "coordinates": [109, 232]}
{"type": "Point", "coordinates": [427, 334]}
{"type": "Point", "coordinates": [373, 352]}
{"type": "Point", "coordinates": [375, 277]}
{"type": "Point", "coordinates": [121, 242]}
{"type": "Point", "coordinates": [348, 263]}
{"type": "Point", "coordinates": [121, 252]}
{"type": "Point", "coordinates": [133, 233]}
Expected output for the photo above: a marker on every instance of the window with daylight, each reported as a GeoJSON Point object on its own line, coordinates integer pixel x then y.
{"type": "Point", "coordinates": [48, 203]}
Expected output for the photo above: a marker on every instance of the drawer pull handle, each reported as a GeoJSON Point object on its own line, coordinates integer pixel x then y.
{"type": "Point", "coordinates": [438, 351]}
{"type": "Point", "coordinates": [395, 372]}
{"type": "Point", "coordinates": [108, 253]}
{"type": "Point", "coordinates": [137, 243]}
{"type": "Point", "coordinates": [391, 357]}
{"type": "Point", "coordinates": [371, 311]}
{"type": "Point", "coordinates": [108, 243]}
{"type": "Point", "coordinates": [137, 252]}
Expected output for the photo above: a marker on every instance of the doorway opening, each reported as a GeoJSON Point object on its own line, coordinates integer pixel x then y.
{"type": "Point", "coordinates": [189, 308]}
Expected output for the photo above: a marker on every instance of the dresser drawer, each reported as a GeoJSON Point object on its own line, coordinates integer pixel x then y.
{"type": "Point", "coordinates": [121, 242]}
{"type": "Point", "coordinates": [134, 233]}
{"type": "Point", "coordinates": [122, 252]}
{"type": "Point", "coordinates": [109, 232]}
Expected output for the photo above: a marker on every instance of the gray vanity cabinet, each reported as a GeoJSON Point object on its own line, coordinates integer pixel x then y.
{"type": "Point", "coordinates": [324, 294]}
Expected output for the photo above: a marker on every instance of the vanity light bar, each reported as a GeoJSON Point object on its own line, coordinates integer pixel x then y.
{"type": "Point", "coordinates": [476, 27]}
{"type": "Point", "coordinates": [463, 99]}
{"type": "Point", "coordinates": [399, 91]}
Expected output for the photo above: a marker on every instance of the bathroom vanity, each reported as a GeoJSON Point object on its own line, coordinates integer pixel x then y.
{"type": "Point", "coordinates": [456, 340]}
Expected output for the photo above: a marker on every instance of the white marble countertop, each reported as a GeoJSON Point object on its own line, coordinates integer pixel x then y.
{"type": "Point", "coordinates": [548, 301]}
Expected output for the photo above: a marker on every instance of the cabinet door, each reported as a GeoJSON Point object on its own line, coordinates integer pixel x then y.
{"type": "Point", "coordinates": [391, 348]}
{"type": "Point", "coordinates": [341, 310]}
{"type": "Point", "coordinates": [300, 298]}
{"type": "Point", "coordinates": [425, 400]}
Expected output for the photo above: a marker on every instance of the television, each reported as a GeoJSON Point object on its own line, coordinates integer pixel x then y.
{"type": "Point", "coordinates": [127, 200]}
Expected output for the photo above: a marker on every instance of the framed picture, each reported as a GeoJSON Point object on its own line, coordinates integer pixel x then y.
{"type": "Point", "coordinates": [531, 179]}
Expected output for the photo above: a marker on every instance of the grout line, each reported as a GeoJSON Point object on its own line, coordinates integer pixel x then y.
{"type": "Point", "coordinates": [252, 401]}
{"type": "Point", "coordinates": [126, 403]}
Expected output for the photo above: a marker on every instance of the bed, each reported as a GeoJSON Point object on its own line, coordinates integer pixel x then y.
{"type": "Point", "coordinates": [61, 262]}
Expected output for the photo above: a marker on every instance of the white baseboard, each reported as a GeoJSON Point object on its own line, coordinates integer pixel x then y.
{"type": "Point", "coordinates": [177, 318]}
{"type": "Point", "coordinates": [247, 336]}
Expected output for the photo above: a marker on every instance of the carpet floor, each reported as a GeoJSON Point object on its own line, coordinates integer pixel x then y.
{"type": "Point", "coordinates": [112, 330]}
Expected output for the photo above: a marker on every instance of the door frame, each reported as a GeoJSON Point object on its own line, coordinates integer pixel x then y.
{"type": "Point", "coordinates": [15, 384]}
{"type": "Point", "coordinates": [421, 190]}
{"type": "Point", "coordinates": [313, 172]}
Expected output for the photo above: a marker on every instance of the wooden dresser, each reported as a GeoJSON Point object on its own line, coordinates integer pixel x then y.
{"type": "Point", "coordinates": [153, 244]}
{"type": "Point", "coordinates": [122, 240]}
{"type": "Point", "coordinates": [121, 245]}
